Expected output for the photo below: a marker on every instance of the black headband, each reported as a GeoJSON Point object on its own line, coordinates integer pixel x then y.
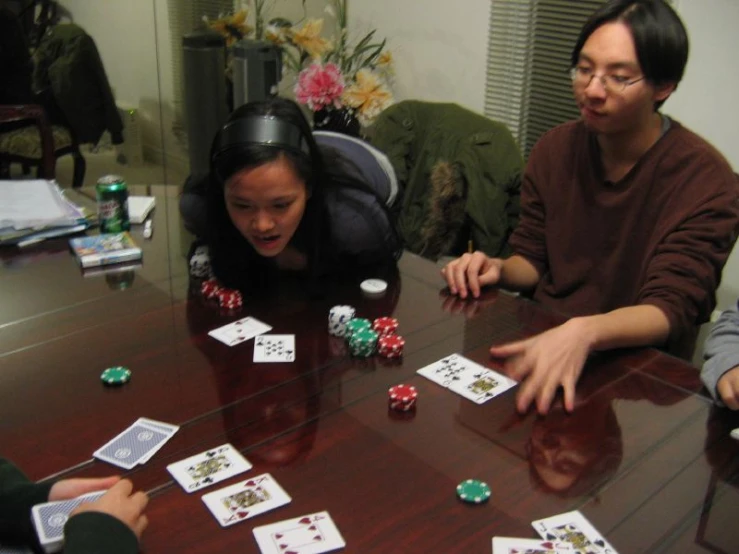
{"type": "Point", "coordinates": [259, 129]}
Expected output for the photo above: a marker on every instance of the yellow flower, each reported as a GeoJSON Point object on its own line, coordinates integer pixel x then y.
{"type": "Point", "coordinates": [275, 34]}
{"type": "Point", "coordinates": [368, 95]}
{"type": "Point", "coordinates": [233, 28]}
{"type": "Point", "coordinates": [308, 37]}
{"type": "Point", "coordinates": [385, 59]}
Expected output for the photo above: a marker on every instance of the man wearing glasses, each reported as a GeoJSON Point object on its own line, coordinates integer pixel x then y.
{"type": "Point", "coordinates": [627, 217]}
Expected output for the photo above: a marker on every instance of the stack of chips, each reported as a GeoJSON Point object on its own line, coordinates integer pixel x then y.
{"type": "Point", "coordinates": [229, 299]}
{"type": "Point", "coordinates": [390, 346]}
{"type": "Point", "coordinates": [385, 325]}
{"type": "Point", "coordinates": [354, 325]}
{"type": "Point", "coordinates": [338, 318]}
{"type": "Point", "coordinates": [402, 397]}
{"type": "Point", "coordinates": [210, 288]}
{"type": "Point", "coordinates": [363, 342]}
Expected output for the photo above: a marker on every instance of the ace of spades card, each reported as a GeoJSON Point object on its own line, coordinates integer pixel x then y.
{"type": "Point", "coordinates": [308, 534]}
{"type": "Point", "coordinates": [209, 467]}
{"type": "Point", "coordinates": [274, 348]}
{"type": "Point", "coordinates": [572, 527]}
{"type": "Point", "coordinates": [245, 500]}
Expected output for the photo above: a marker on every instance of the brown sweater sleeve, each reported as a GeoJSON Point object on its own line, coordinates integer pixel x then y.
{"type": "Point", "coordinates": [685, 271]}
{"type": "Point", "coordinates": [529, 239]}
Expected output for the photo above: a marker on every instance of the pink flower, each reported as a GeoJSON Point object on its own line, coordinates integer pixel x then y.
{"type": "Point", "coordinates": [320, 86]}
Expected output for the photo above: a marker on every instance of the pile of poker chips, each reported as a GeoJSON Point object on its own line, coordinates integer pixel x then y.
{"type": "Point", "coordinates": [473, 491]}
{"type": "Point", "coordinates": [337, 319]}
{"type": "Point", "coordinates": [402, 398]}
{"type": "Point", "coordinates": [229, 299]}
{"type": "Point", "coordinates": [376, 336]}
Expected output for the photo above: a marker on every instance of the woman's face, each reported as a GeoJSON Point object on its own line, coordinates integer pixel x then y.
{"type": "Point", "coordinates": [266, 204]}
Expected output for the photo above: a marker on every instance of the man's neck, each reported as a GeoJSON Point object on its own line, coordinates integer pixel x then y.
{"type": "Point", "coordinates": [620, 152]}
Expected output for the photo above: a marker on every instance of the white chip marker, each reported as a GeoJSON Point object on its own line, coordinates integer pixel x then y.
{"type": "Point", "coordinates": [735, 434]}
{"type": "Point", "coordinates": [373, 287]}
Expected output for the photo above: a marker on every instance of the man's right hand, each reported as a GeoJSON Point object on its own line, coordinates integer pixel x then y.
{"type": "Point", "coordinates": [728, 388]}
{"type": "Point", "coordinates": [122, 505]}
{"type": "Point", "coordinates": [470, 272]}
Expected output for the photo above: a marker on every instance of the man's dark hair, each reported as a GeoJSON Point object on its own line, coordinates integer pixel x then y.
{"type": "Point", "coordinates": [660, 37]}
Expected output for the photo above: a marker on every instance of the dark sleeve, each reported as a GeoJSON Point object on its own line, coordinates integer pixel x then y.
{"type": "Point", "coordinates": [96, 532]}
{"type": "Point", "coordinates": [17, 496]}
{"type": "Point", "coordinates": [685, 271]}
{"type": "Point", "coordinates": [529, 239]}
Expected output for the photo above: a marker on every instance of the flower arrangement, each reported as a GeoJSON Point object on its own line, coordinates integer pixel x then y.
{"type": "Point", "coordinates": [334, 74]}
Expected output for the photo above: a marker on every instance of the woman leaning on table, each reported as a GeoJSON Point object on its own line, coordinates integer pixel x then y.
{"type": "Point", "coordinates": [112, 524]}
{"type": "Point", "coordinates": [283, 199]}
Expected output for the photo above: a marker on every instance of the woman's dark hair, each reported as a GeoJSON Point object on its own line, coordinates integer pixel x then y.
{"type": "Point", "coordinates": [660, 38]}
{"type": "Point", "coordinates": [258, 133]}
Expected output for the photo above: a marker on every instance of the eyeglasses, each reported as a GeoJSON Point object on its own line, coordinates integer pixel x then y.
{"type": "Point", "coordinates": [583, 76]}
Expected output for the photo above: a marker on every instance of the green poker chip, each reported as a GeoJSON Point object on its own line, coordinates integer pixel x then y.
{"type": "Point", "coordinates": [473, 491]}
{"type": "Point", "coordinates": [116, 375]}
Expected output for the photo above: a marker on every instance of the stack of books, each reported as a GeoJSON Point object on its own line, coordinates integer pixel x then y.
{"type": "Point", "coordinates": [34, 210]}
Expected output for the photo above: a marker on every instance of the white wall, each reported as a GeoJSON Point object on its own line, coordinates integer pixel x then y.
{"type": "Point", "coordinates": [440, 47]}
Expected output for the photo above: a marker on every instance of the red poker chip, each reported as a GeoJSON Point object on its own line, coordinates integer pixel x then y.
{"type": "Point", "coordinates": [385, 325]}
{"type": "Point", "coordinates": [403, 393]}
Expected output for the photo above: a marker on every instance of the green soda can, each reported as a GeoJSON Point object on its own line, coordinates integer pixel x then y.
{"type": "Point", "coordinates": [112, 197]}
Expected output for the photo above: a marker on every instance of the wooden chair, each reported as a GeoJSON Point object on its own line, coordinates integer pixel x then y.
{"type": "Point", "coordinates": [36, 143]}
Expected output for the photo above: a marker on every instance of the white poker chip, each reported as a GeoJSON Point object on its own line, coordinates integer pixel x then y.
{"type": "Point", "coordinates": [373, 287]}
{"type": "Point", "coordinates": [735, 434]}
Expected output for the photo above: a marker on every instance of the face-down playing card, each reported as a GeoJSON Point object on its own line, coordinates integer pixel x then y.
{"type": "Point", "coordinates": [49, 519]}
{"type": "Point", "coordinates": [245, 500]}
{"type": "Point", "coordinates": [132, 445]}
{"type": "Point", "coordinates": [274, 348]}
{"type": "Point", "coordinates": [308, 534]}
{"type": "Point", "coordinates": [573, 528]}
{"type": "Point", "coordinates": [209, 467]}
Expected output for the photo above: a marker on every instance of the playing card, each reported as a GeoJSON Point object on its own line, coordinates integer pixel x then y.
{"type": "Point", "coordinates": [239, 331]}
{"type": "Point", "coordinates": [274, 348]}
{"type": "Point", "coordinates": [208, 468]}
{"type": "Point", "coordinates": [245, 500]}
{"type": "Point", "coordinates": [309, 534]}
{"type": "Point", "coordinates": [168, 428]}
{"type": "Point", "coordinates": [447, 370]}
{"type": "Point", "coordinates": [572, 527]}
{"type": "Point", "coordinates": [511, 545]}
{"type": "Point", "coordinates": [49, 519]}
{"type": "Point", "coordinates": [467, 378]}
{"type": "Point", "coordinates": [481, 384]}
{"type": "Point", "coordinates": [129, 447]}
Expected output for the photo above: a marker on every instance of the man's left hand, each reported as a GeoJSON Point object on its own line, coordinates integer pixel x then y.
{"type": "Point", "coordinates": [544, 363]}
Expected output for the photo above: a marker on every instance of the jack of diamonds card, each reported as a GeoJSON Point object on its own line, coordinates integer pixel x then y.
{"type": "Point", "coordinates": [245, 500]}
